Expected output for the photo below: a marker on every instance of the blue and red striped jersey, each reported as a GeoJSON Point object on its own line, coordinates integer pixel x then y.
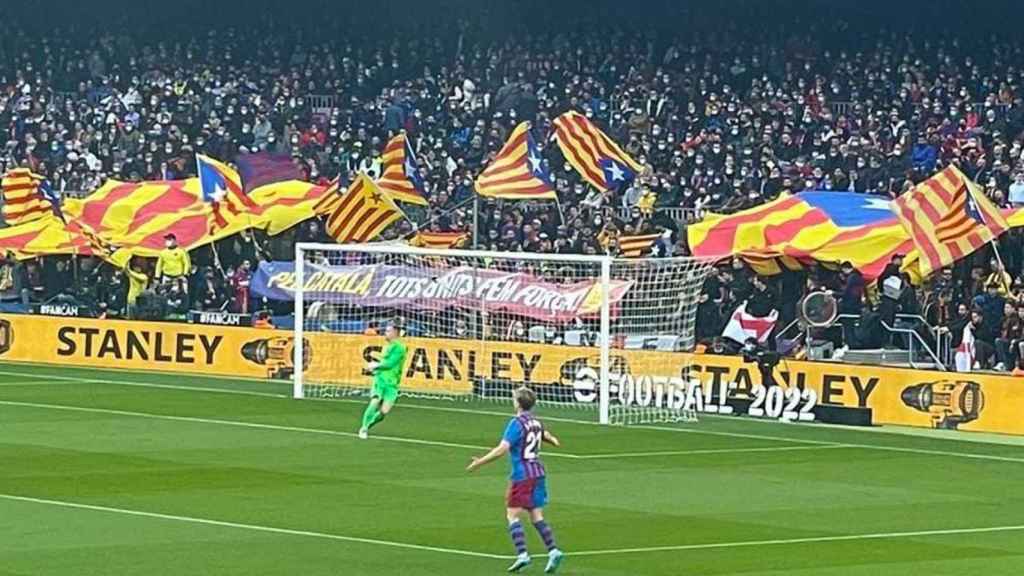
{"type": "Point", "coordinates": [525, 434]}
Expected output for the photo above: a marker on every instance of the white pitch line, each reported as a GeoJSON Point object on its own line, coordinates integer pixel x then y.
{"type": "Point", "coordinates": [470, 553]}
{"type": "Point", "coordinates": [708, 451]}
{"type": "Point", "coordinates": [990, 457]}
{"type": "Point", "coordinates": [144, 384]}
{"type": "Point", "coordinates": [809, 540]}
{"type": "Point", "coordinates": [253, 527]}
{"type": "Point", "coordinates": [241, 424]}
{"type": "Point", "coordinates": [403, 405]}
{"type": "Point", "coordinates": [32, 383]}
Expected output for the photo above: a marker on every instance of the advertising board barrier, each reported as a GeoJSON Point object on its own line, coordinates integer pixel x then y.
{"type": "Point", "coordinates": [977, 402]}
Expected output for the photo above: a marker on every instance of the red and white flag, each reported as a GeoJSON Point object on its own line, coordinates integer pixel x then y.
{"type": "Point", "coordinates": [965, 352]}
{"type": "Point", "coordinates": [743, 325]}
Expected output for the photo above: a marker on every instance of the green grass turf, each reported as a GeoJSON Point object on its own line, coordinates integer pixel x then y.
{"type": "Point", "coordinates": [292, 474]}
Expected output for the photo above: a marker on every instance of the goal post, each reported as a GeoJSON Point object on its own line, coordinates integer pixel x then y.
{"type": "Point", "coordinates": [586, 332]}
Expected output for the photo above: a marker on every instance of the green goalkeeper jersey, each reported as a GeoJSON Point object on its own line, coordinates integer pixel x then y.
{"type": "Point", "coordinates": [389, 372]}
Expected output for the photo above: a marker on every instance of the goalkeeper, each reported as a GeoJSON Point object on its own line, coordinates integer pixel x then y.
{"type": "Point", "coordinates": [387, 375]}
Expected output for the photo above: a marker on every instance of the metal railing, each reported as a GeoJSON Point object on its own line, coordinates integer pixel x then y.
{"type": "Point", "coordinates": [682, 215]}
{"type": "Point", "coordinates": [914, 336]}
{"type": "Point", "coordinates": [941, 337]}
{"type": "Point", "coordinates": [321, 103]}
{"type": "Point", "coordinates": [841, 108]}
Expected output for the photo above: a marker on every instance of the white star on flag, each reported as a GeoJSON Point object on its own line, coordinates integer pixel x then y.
{"type": "Point", "coordinates": [219, 192]}
{"type": "Point", "coordinates": [409, 168]}
{"type": "Point", "coordinates": [616, 172]}
{"type": "Point", "coordinates": [876, 204]}
{"type": "Point", "coordinates": [534, 163]}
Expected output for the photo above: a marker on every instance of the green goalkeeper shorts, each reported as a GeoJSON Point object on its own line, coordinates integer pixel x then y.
{"type": "Point", "coordinates": [386, 392]}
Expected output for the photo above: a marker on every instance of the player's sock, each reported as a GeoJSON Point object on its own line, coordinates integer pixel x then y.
{"type": "Point", "coordinates": [377, 419]}
{"type": "Point", "coordinates": [515, 529]}
{"type": "Point", "coordinates": [546, 534]}
{"type": "Point", "coordinates": [370, 416]}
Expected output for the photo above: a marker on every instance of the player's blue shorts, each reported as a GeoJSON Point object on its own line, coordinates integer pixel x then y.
{"type": "Point", "coordinates": [529, 494]}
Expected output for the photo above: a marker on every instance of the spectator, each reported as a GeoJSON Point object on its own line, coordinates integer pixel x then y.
{"type": "Point", "coordinates": [762, 301]}
{"type": "Point", "coordinates": [984, 341]}
{"type": "Point", "coordinates": [173, 263]}
{"type": "Point", "coordinates": [709, 310]}
{"type": "Point", "coordinates": [1008, 344]}
{"type": "Point", "coordinates": [991, 306]}
{"type": "Point", "coordinates": [893, 286]}
{"type": "Point", "coordinates": [208, 294]}
{"type": "Point", "coordinates": [138, 282]}
{"type": "Point", "coordinates": [999, 278]}
{"type": "Point", "coordinates": [176, 302]}
{"type": "Point", "coordinates": [851, 299]}
{"type": "Point", "coordinates": [1016, 192]}
{"type": "Point", "coordinates": [240, 281]}
{"type": "Point", "coordinates": [263, 320]}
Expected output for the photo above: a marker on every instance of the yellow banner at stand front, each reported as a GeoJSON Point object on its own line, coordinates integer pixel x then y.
{"type": "Point", "coordinates": [978, 402]}
{"type": "Point", "coordinates": [208, 350]}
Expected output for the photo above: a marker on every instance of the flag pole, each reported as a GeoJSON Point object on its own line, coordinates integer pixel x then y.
{"type": "Point", "coordinates": [476, 216]}
{"type": "Point", "coordinates": [561, 215]}
{"type": "Point", "coordinates": [1002, 267]}
{"type": "Point", "coordinates": [216, 257]}
{"type": "Point", "coordinates": [439, 215]}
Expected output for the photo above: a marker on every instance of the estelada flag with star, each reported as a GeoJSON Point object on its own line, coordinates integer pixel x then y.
{"type": "Point", "coordinates": [222, 188]}
{"type": "Point", "coordinates": [948, 218]}
{"type": "Point", "coordinates": [518, 171]}
{"type": "Point", "coordinates": [596, 157]}
{"type": "Point", "coordinates": [400, 175]}
{"type": "Point", "coordinates": [361, 213]}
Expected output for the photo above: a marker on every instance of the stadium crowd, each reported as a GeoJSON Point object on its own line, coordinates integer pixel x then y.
{"type": "Point", "coordinates": [723, 120]}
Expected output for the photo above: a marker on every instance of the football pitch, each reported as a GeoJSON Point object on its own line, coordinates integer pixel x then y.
{"type": "Point", "coordinates": [109, 473]}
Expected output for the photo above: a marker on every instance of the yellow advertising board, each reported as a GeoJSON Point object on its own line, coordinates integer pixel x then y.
{"type": "Point", "coordinates": [979, 402]}
{"type": "Point", "coordinates": [196, 348]}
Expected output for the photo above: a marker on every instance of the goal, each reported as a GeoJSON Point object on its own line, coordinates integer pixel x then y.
{"type": "Point", "coordinates": [612, 336]}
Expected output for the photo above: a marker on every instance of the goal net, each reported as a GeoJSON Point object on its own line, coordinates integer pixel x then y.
{"type": "Point", "coordinates": [593, 333]}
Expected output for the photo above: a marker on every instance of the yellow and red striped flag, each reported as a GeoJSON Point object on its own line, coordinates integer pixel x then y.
{"type": "Point", "coordinates": [596, 157]}
{"type": "Point", "coordinates": [23, 200]}
{"type": "Point", "coordinates": [442, 240]}
{"type": "Point", "coordinates": [362, 213]}
{"type": "Point", "coordinates": [41, 237]}
{"type": "Point", "coordinates": [948, 217]}
{"type": "Point", "coordinates": [400, 172]}
{"type": "Point", "coordinates": [636, 246]}
{"type": "Point", "coordinates": [518, 171]}
{"type": "Point", "coordinates": [809, 226]}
